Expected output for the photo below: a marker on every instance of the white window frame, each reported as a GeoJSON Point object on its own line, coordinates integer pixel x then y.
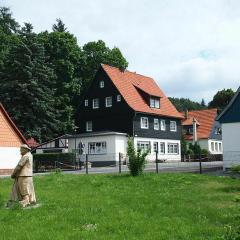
{"type": "Point", "coordinates": [101, 84]}
{"type": "Point", "coordinates": [162, 148]}
{"type": "Point", "coordinates": [107, 103]}
{"type": "Point", "coordinates": [144, 125]}
{"type": "Point", "coordinates": [220, 147]}
{"type": "Point", "coordinates": [144, 146]}
{"type": "Point", "coordinates": [119, 98]}
{"type": "Point", "coordinates": [212, 146]}
{"type": "Point", "coordinates": [155, 146]}
{"type": "Point", "coordinates": [89, 126]}
{"type": "Point", "coordinates": [156, 124]}
{"type": "Point", "coordinates": [86, 102]}
{"type": "Point", "coordinates": [97, 148]}
{"type": "Point", "coordinates": [95, 103]}
{"type": "Point", "coordinates": [173, 126]}
{"type": "Point", "coordinates": [216, 146]}
{"type": "Point", "coordinates": [163, 125]}
{"type": "Point", "coordinates": [154, 102]}
{"type": "Point", "coordinates": [173, 148]}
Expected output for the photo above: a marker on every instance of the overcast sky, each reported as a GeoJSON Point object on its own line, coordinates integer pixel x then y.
{"type": "Point", "coordinates": [190, 47]}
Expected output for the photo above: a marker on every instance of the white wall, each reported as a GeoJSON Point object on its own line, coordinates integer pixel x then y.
{"type": "Point", "coordinates": [166, 156]}
{"type": "Point", "coordinates": [231, 141]}
{"type": "Point", "coordinates": [9, 157]}
{"type": "Point", "coordinates": [114, 143]}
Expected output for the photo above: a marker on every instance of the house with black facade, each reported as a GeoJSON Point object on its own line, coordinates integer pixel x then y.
{"type": "Point", "coordinates": [119, 104]}
{"type": "Point", "coordinates": [230, 122]}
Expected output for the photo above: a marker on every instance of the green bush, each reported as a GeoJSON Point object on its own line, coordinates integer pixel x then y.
{"type": "Point", "coordinates": [195, 148]}
{"type": "Point", "coordinates": [137, 159]}
{"type": "Point", "coordinates": [189, 152]}
{"type": "Point", "coordinates": [235, 169]}
{"type": "Point", "coordinates": [204, 152]}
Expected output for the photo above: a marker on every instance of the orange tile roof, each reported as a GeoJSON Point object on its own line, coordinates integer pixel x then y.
{"type": "Point", "coordinates": [128, 84]}
{"type": "Point", "coordinates": [10, 136]}
{"type": "Point", "coordinates": [206, 119]}
{"type": "Point", "coordinates": [189, 121]}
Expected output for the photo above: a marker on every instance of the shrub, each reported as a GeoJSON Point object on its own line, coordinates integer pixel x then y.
{"type": "Point", "coordinates": [204, 152]}
{"type": "Point", "coordinates": [235, 169]}
{"type": "Point", "coordinates": [137, 159]}
{"type": "Point", "coordinates": [195, 148]}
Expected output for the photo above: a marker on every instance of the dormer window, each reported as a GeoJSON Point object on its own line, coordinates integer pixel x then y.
{"type": "Point", "coordinates": [154, 102]}
{"type": "Point", "coordinates": [101, 84]}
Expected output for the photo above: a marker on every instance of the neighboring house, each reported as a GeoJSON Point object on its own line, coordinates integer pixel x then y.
{"type": "Point", "coordinates": [200, 126]}
{"type": "Point", "coordinates": [10, 141]}
{"type": "Point", "coordinates": [230, 122]}
{"type": "Point", "coordinates": [56, 145]}
{"type": "Point", "coordinates": [32, 143]}
{"type": "Point", "coordinates": [122, 103]}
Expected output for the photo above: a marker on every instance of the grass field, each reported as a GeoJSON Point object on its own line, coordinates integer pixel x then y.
{"type": "Point", "coordinates": [163, 206]}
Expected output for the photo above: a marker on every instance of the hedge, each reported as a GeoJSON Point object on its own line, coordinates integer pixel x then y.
{"type": "Point", "coordinates": [59, 157]}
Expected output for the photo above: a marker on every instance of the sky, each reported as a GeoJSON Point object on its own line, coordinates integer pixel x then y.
{"type": "Point", "coordinates": [191, 48]}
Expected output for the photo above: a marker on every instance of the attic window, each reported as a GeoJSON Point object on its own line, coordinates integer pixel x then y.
{"type": "Point", "coordinates": [154, 102]}
{"type": "Point", "coordinates": [101, 84]}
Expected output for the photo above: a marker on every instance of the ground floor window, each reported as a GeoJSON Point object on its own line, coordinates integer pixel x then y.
{"type": "Point", "coordinates": [97, 148]}
{"type": "Point", "coordinates": [173, 148]}
{"type": "Point", "coordinates": [143, 146]}
{"type": "Point", "coordinates": [162, 147]}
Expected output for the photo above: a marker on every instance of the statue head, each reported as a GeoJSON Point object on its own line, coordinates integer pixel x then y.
{"type": "Point", "coordinates": [24, 149]}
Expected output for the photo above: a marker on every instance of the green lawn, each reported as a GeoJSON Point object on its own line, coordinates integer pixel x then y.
{"type": "Point", "coordinates": [163, 206]}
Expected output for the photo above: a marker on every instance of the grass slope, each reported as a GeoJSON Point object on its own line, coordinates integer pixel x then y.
{"type": "Point", "coordinates": [164, 206]}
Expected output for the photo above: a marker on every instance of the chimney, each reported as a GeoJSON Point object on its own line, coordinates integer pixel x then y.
{"type": "Point", "coordinates": [194, 131]}
{"type": "Point", "coordinates": [186, 114]}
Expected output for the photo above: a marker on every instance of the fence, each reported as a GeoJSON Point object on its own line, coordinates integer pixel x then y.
{"type": "Point", "coordinates": [118, 163]}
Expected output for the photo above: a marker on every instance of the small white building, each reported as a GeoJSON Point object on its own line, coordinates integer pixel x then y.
{"type": "Point", "coordinates": [230, 121]}
{"type": "Point", "coordinates": [10, 141]}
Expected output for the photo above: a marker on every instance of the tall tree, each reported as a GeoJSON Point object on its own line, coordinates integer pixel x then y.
{"type": "Point", "coordinates": [7, 23]}
{"type": "Point", "coordinates": [59, 26]}
{"type": "Point", "coordinates": [221, 99]}
{"type": "Point", "coordinates": [95, 53]}
{"type": "Point", "coordinates": [63, 56]}
{"type": "Point", "coordinates": [203, 104]}
{"type": "Point", "coordinates": [26, 88]}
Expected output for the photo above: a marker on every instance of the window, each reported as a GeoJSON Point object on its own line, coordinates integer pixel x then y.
{"type": "Point", "coordinates": [218, 131]}
{"type": "Point", "coordinates": [216, 146]}
{"type": "Point", "coordinates": [173, 126]}
{"type": "Point", "coordinates": [97, 148]}
{"type": "Point", "coordinates": [108, 101]}
{"type": "Point", "coordinates": [118, 98]}
{"type": "Point", "coordinates": [156, 124]}
{"type": "Point", "coordinates": [143, 146]}
{"type": "Point", "coordinates": [155, 146]}
{"type": "Point", "coordinates": [86, 102]}
{"type": "Point", "coordinates": [220, 147]}
{"type": "Point", "coordinates": [162, 147]}
{"type": "Point", "coordinates": [95, 103]}
{"type": "Point", "coordinates": [101, 84]}
{"type": "Point", "coordinates": [89, 126]}
{"type": "Point", "coordinates": [173, 148]}
{"type": "Point", "coordinates": [163, 125]}
{"type": "Point", "coordinates": [212, 146]}
{"type": "Point", "coordinates": [154, 102]}
{"type": "Point", "coordinates": [144, 122]}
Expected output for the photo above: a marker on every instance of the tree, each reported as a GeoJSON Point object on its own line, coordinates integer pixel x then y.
{"type": "Point", "coordinates": [8, 24]}
{"type": "Point", "coordinates": [203, 104]}
{"type": "Point", "coordinates": [26, 88]}
{"type": "Point", "coordinates": [221, 99]}
{"type": "Point", "coordinates": [63, 57]}
{"type": "Point", "coordinates": [183, 104]}
{"type": "Point", "coordinates": [59, 26]}
{"type": "Point", "coordinates": [95, 53]}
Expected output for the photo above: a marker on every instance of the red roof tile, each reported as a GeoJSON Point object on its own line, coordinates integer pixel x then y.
{"type": "Point", "coordinates": [205, 118]}
{"type": "Point", "coordinates": [10, 136]}
{"type": "Point", "coordinates": [128, 84]}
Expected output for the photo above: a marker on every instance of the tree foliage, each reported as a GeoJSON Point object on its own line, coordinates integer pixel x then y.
{"type": "Point", "coordinates": [42, 76]}
{"type": "Point", "coordinates": [183, 104]}
{"type": "Point", "coordinates": [221, 99]}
